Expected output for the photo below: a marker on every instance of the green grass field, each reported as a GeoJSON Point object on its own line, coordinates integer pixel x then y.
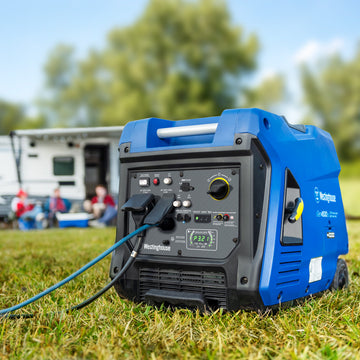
{"type": "Point", "coordinates": [350, 189]}
{"type": "Point", "coordinates": [322, 328]}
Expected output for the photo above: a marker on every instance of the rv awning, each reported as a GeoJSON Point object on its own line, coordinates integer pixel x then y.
{"type": "Point", "coordinates": [105, 131]}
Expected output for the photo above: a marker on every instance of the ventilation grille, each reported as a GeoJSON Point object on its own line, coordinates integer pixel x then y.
{"type": "Point", "coordinates": [289, 268]}
{"type": "Point", "coordinates": [212, 285]}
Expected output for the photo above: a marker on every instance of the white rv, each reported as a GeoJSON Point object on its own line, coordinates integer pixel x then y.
{"type": "Point", "coordinates": [76, 159]}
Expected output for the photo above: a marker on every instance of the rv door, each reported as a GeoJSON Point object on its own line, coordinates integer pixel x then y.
{"type": "Point", "coordinates": [96, 167]}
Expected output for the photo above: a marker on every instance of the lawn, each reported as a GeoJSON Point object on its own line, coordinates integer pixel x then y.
{"type": "Point", "coordinates": [350, 190]}
{"type": "Point", "coordinates": [322, 328]}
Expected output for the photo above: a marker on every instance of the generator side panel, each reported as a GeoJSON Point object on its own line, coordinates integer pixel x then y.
{"type": "Point", "coordinates": [304, 253]}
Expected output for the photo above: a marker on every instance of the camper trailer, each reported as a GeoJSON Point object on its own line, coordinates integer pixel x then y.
{"type": "Point", "coordinates": [76, 159]}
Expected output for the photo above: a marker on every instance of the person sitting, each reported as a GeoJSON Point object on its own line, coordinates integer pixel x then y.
{"type": "Point", "coordinates": [102, 206]}
{"type": "Point", "coordinates": [20, 203]}
{"type": "Point", "coordinates": [28, 214]}
{"type": "Point", "coordinates": [32, 218]}
{"type": "Point", "coordinates": [56, 204]}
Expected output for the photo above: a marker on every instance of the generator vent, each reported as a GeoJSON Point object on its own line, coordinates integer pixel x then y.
{"type": "Point", "coordinates": [212, 285]}
{"type": "Point", "coordinates": [289, 268]}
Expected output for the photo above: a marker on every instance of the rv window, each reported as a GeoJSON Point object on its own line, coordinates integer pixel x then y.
{"type": "Point", "coordinates": [63, 165]}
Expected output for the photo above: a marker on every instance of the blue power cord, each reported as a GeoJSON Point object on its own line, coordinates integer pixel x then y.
{"type": "Point", "coordinates": [76, 273]}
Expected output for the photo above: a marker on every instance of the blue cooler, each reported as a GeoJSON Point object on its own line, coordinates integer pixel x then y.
{"type": "Point", "coordinates": [80, 220]}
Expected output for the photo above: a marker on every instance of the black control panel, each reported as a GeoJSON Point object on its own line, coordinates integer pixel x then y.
{"type": "Point", "coordinates": [205, 219]}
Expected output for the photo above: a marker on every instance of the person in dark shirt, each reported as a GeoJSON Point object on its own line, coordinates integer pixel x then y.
{"type": "Point", "coordinates": [54, 205]}
{"type": "Point", "coordinates": [102, 206]}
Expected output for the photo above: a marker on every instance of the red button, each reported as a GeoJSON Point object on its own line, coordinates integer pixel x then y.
{"type": "Point", "coordinates": [156, 181]}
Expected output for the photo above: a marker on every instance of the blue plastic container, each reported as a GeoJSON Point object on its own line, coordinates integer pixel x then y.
{"type": "Point", "coordinates": [80, 220]}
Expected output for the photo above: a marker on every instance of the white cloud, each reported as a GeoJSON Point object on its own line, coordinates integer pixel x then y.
{"type": "Point", "coordinates": [313, 50]}
{"type": "Point", "coordinates": [308, 52]}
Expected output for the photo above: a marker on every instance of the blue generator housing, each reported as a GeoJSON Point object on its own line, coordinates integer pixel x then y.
{"type": "Point", "coordinates": [257, 217]}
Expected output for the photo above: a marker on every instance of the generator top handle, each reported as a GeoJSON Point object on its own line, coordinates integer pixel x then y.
{"type": "Point", "coordinates": [203, 129]}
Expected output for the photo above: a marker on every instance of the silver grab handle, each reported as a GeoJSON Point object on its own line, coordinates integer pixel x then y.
{"type": "Point", "coordinates": [186, 130]}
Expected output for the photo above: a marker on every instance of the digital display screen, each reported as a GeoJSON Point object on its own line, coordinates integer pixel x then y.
{"type": "Point", "coordinates": [201, 239]}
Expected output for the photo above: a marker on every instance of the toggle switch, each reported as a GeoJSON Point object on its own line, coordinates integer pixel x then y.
{"type": "Point", "coordinates": [144, 182]}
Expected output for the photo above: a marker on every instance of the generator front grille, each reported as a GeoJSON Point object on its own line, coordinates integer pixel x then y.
{"type": "Point", "coordinates": [212, 285]}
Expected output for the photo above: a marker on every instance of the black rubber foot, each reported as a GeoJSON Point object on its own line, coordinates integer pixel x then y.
{"type": "Point", "coordinates": [341, 278]}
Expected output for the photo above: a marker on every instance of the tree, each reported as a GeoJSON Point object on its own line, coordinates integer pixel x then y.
{"type": "Point", "coordinates": [60, 70]}
{"type": "Point", "coordinates": [270, 92]}
{"type": "Point", "coordinates": [180, 59]}
{"type": "Point", "coordinates": [332, 93]}
{"type": "Point", "coordinates": [11, 116]}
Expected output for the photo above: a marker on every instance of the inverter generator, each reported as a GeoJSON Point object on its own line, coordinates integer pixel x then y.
{"type": "Point", "coordinates": [252, 215]}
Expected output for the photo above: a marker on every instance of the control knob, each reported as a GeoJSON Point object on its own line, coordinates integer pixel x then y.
{"type": "Point", "coordinates": [219, 189]}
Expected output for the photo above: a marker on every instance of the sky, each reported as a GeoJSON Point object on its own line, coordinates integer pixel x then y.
{"type": "Point", "coordinates": [290, 33]}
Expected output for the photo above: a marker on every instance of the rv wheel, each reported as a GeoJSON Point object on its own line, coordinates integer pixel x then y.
{"type": "Point", "coordinates": [341, 278]}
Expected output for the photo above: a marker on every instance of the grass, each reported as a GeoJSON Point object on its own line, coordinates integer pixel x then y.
{"type": "Point", "coordinates": [322, 328]}
{"type": "Point", "coordinates": [350, 189]}
{"type": "Point", "coordinates": [350, 169]}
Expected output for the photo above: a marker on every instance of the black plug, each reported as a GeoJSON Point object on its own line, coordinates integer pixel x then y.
{"type": "Point", "coordinates": [162, 208]}
{"type": "Point", "coordinates": [139, 205]}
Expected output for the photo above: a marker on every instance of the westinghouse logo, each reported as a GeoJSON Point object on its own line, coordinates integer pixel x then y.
{"type": "Point", "coordinates": [322, 196]}
{"type": "Point", "coordinates": [317, 195]}
{"type": "Point", "coordinates": [156, 247]}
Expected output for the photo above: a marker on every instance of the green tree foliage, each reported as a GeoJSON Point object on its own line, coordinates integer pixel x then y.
{"type": "Point", "coordinates": [60, 70]}
{"type": "Point", "coordinates": [11, 116]}
{"type": "Point", "coordinates": [332, 93]}
{"type": "Point", "coordinates": [180, 59]}
{"type": "Point", "coordinates": [267, 94]}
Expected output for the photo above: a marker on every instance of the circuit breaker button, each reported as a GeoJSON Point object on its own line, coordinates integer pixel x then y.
{"type": "Point", "coordinates": [177, 203]}
{"type": "Point", "coordinates": [167, 181]}
{"type": "Point", "coordinates": [187, 203]}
